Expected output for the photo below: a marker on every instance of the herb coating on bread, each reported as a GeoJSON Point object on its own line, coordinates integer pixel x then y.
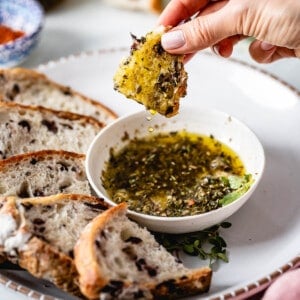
{"type": "Point", "coordinates": [151, 76]}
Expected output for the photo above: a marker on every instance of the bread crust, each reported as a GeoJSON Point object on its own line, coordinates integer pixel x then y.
{"type": "Point", "coordinates": [44, 261]}
{"type": "Point", "coordinates": [91, 279]}
{"type": "Point", "coordinates": [194, 283]}
{"type": "Point", "coordinates": [40, 155]}
{"type": "Point", "coordinates": [33, 77]}
{"type": "Point", "coordinates": [48, 200]}
{"type": "Point", "coordinates": [60, 114]}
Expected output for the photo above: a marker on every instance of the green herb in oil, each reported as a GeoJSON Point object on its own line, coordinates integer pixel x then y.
{"type": "Point", "coordinates": [174, 174]}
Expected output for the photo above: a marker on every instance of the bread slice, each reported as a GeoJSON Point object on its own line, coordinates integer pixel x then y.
{"type": "Point", "coordinates": [145, 5]}
{"type": "Point", "coordinates": [43, 173]}
{"type": "Point", "coordinates": [151, 76]}
{"type": "Point", "coordinates": [30, 87]}
{"type": "Point", "coordinates": [39, 234]}
{"type": "Point", "coordinates": [27, 129]}
{"type": "Point", "coordinates": [118, 259]}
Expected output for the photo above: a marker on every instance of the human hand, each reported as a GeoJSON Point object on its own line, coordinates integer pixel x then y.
{"type": "Point", "coordinates": [220, 24]}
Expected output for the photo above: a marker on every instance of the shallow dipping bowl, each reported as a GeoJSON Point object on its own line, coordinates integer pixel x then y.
{"type": "Point", "coordinates": [222, 126]}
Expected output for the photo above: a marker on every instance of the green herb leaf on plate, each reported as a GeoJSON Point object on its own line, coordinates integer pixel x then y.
{"type": "Point", "coordinates": [205, 244]}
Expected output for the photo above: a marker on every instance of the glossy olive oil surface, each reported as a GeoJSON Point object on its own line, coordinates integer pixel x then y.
{"type": "Point", "coordinates": [175, 174]}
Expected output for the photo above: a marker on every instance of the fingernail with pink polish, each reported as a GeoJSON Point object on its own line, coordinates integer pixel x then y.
{"type": "Point", "coordinates": [173, 40]}
{"type": "Point", "coordinates": [266, 46]}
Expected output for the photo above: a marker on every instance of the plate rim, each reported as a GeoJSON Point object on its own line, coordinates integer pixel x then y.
{"type": "Point", "coordinates": [234, 292]}
{"type": "Point", "coordinates": [67, 58]}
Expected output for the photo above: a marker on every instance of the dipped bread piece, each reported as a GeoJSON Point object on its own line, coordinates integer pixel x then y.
{"type": "Point", "coordinates": [118, 259]}
{"type": "Point", "coordinates": [151, 76]}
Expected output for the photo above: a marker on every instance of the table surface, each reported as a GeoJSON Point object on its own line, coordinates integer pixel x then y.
{"type": "Point", "coordinates": [76, 26]}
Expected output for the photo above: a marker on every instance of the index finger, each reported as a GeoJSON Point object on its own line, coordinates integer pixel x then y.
{"type": "Point", "coordinates": [179, 10]}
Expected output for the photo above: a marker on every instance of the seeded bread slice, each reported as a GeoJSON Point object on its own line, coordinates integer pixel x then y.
{"type": "Point", "coordinates": [27, 129]}
{"type": "Point", "coordinates": [151, 76]}
{"type": "Point", "coordinates": [39, 234]}
{"type": "Point", "coordinates": [118, 259]}
{"type": "Point", "coordinates": [43, 173]}
{"type": "Point", "coordinates": [30, 87]}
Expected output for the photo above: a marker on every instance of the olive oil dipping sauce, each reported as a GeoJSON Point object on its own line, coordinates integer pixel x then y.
{"type": "Point", "coordinates": [175, 174]}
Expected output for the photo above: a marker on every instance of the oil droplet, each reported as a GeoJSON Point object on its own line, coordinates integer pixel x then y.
{"type": "Point", "coordinates": [152, 112]}
{"type": "Point", "coordinates": [150, 129]}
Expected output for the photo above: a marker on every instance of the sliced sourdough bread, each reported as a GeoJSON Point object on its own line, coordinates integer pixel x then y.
{"type": "Point", "coordinates": [39, 234]}
{"type": "Point", "coordinates": [118, 259]}
{"type": "Point", "coordinates": [43, 173]}
{"type": "Point", "coordinates": [30, 87]}
{"type": "Point", "coordinates": [27, 129]}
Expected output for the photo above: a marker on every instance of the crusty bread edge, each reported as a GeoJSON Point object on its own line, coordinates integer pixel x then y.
{"type": "Point", "coordinates": [59, 114]}
{"type": "Point", "coordinates": [45, 261]}
{"type": "Point", "coordinates": [42, 154]}
{"type": "Point", "coordinates": [48, 200]}
{"type": "Point", "coordinates": [195, 282]}
{"type": "Point", "coordinates": [91, 279]}
{"type": "Point", "coordinates": [34, 75]}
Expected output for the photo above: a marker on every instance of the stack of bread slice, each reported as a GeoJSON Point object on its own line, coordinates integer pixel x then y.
{"type": "Point", "coordinates": [30, 87]}
{"type": "Point", "coordinates": [45, 131]}
{"type": "Point", "coordinates": [50, 224]}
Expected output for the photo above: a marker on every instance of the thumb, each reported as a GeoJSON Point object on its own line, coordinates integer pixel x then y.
{"type": "Point", "coordinates": [201, 32]}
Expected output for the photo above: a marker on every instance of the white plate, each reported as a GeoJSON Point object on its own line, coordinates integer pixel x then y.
{"type": "Point", "coordinates": [264, 239]}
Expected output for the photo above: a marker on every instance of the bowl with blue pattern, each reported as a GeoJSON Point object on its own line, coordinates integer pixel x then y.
{"type": "Point", "coordinates": [20, 15]}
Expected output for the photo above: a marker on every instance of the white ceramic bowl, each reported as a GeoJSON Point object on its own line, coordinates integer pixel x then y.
{"type": "Point", "coordinates": [223, 127]}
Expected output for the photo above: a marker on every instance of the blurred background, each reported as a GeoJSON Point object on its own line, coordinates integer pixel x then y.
{"type": "Point", "coordinates": [74, 26]}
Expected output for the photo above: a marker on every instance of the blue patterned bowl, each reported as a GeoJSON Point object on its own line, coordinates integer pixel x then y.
{"type": "Point", "coordinates": [24, 15]}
